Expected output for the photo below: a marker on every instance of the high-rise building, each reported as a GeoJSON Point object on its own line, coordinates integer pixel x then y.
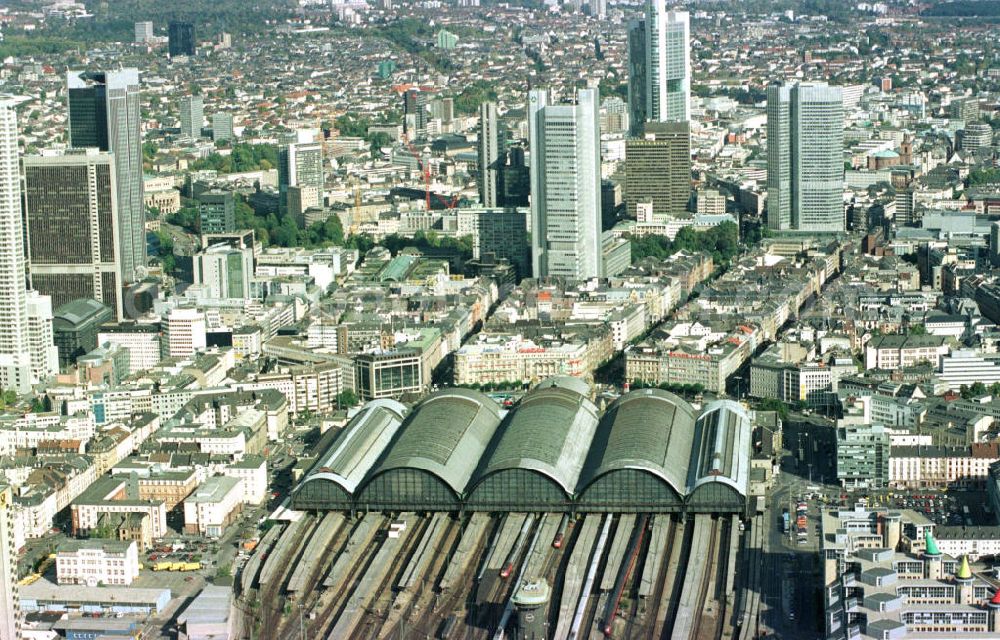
{"type": "Point", "coordinates": [300, 165]}
{"type": "Point", "coordinates": [73, 227]}
{"type": "Point", "coordinates": [673, 84]}
{"type": "Point", "coordinates": [976, 135]}
{"type": "Point", "coordinates": [216, 212]}
{"type": "Point", "coordinates": [658, 168]}
{"type": "Point", "coordinates": [636, 76]}
{"type": "Point", "coordinates": [490, 148]}
{"type": "Point", "coordinates": [41, 337]}
{"type": "Point", "coordinates": [659, 63]}
{"type": "Point", "coordinates": [184, 333]}
{"type": "Point", "coordinates": [224, 271]}
{"type": "Point", "coordinates": [805, 161]}
{"type": "Point", "coordinates": [10, 610]}
{"type": "Point", "coordinates": [415, 113]}
{"type": "Point", "coordinates": [565, 185]}
{"type": "Point", "coordinates": [143, 32]}
{"type": "Point", "coordinates": [192, 116]}
{"type": "Point", "coordinates": [104, 113]}
{"type": "Point", "coordinates": [15, 361]}
{"type": "Point", "coordinates": [181, 36]}
{"type": "Point", "coordinates": [222, 126]}
{"type": "Point", "coordinates": [514, 179]}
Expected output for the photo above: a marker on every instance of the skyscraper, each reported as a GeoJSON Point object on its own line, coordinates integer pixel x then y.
{"type": "Point", "coordinates": [490, 147]}
{"type": "Point", "coordinates": [658, 168]}
{"type": "Point", "coordinates": [19, 361]}
{"type": "Point", "coordinates": [300, 165]}
{"type": "Point", "coordinates": [10, 611]}
{"type": "Point", "coordinates": [192, 116]}
{"type": "Point", "coordinates": [415, 113]}
{"type": "Point", "coordinates": [805, 163]}
{"type": "Point", "coordinates": [181, 37]}
{"type": "Point", "coordinates": [565, 185]}
{"type": "Point", "coordinates": [143, 31]}
{"type": "Point", "coordinates": [636, 76]}
{"type": "Point", "coordinates": [104, 113]}
{"type": "Point", "coordinates": [222, 126]}
{"type": "Point", "coordinates": [659, 64]}
{"type": "Point", "coordinates": [70, 209]}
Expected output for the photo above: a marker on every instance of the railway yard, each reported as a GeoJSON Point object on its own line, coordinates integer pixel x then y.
{"type": "Point", "coordinates": [441, 575]}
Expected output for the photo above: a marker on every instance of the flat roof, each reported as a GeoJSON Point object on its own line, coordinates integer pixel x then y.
{"type": "Point", "coordinates": [44, 591]}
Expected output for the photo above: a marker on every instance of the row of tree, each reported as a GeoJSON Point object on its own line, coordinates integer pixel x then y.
{"type": "Point", "coordinates": [721, 241]}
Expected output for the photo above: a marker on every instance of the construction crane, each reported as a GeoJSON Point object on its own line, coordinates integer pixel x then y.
{"type": "Point", "coordinates": [425, 169]}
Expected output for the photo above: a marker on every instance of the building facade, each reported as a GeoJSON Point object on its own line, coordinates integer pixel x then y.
{"type": "Point", "coordinates": [70, 206]}
{"type": "Point", "coordinates": [805, 163]}
{"type": "Point", "coordinates": [565, 186]}
{"type": "Point", "coordinates": [104, 113]}
{"type": "Point", "coordinates": [658, 169]}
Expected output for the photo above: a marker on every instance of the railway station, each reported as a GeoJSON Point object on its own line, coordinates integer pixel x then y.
{"type": "Point", "coordinates": [554, 518]}
{"type": "Point", "coordinates": [458, 450]}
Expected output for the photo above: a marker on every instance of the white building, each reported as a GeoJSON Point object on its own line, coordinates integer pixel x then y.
{"type": "Point", "coordinates": [44, 353]}
{"type": "Point", "coordinates": [97, 562]}
{"type": "Point", "coordinates": [967, 367]}
{"type": "Point", "coordinates": [941, 467]}
{"type": "Point", "coordinates": [142, 342]}
{"type": "Point", "coordinates": [224, 271]}
{"type": "Point", "coordinates": [213, 506]}
{"type": "Point", "coordinates": [10, 611]}
{"type": "Point", "coordinates": [15, 344]}
{"type": "Point", "coordinates": [668, 64]}
{"type": "Point", "coordinates": [565, 186]}
{"type": "Point", "coordinates": [185, 332]}
{"type": "Point", "coordinates": [252, 471]}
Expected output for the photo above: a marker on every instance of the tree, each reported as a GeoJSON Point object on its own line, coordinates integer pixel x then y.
{"type": "Point", "coordinates": [347, 398]}
{"type": "Point", "coordinates": [978, 390]}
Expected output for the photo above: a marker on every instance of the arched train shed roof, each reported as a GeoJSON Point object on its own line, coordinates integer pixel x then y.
{"type": "Point", "coordinates": [347, 461]}
{"type": "Point", "coordinates": [548, 433]}
{"type": "Point", "coordinates": [647, 432]}
{"type": "Point", "coordinates": [720, 456]}
{"type": "Point", "coordinates": [445, 436]}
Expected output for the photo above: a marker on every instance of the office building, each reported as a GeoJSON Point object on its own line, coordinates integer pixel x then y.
{"type": "Point", "coordinates": [658, 168]}
{"type": "Point", "coordinates": [805, 161]}
{"type": "Point", "coordinates": [104, 113]}
{"type": "Point", "coordinates": [415, 113]}
{"type": "Point", "coordinates": [181, 36]}
{"type": "Point", "coordinates": [300, 165]}
{"type": "Point", "coordinates": [964, 109]}
{"type": "Point", "coordinates": [388, 374]}
{"type": "Point", "coordinates": [565, 186]}
{"type": "Point", "coordinates": [224, 272]}
{"type": "Point", "coordinates": [862, 456]}
{"type": "Point", "coordinates": [663, 75]}
{"type": "Point", "coordinates": [502, 233]}
{"type": "Point", "coordinates": [10, 610]}
{"type": "Point", "coordinates": [75, 326]}
{"type": "Point", "coordinates": [216, 212]}
{"type": "Point", "coordinates": [73, 227]}
{"type": "Point", "coordinates": [976, 135]}
{"type": "Point", "coordinates": [490, 149]}
{"type": "Point", "coordinates": [514, 179]}
{"type": "Point", "coordinates": [97, 562]}
{"type": "Point", "coordinates": [222, 126]}
{"type": "Point", "coordinates": [141, 340]}
{"type": "Point", "coordinates": [636, 76]}
{"type": "Point", "coordinates": [192, 116]}
{"type": "Point", "coordinates": [184, 332]}
{"type": "Point", "coordinates": [15, 360]}
{"type": "Point", "coordinates": [143, 32]}
{"type": "Point", "coordinates": [44, 360]}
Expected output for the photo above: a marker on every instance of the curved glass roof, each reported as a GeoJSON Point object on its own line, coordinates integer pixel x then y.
{"type": "Point", "coordinates": [549, 432]}
{"type": "Point", "coordinates": [647, 429]}
{"type": "Point", "coordinates": [721, 451]}
{"type": "Point", "coordinates": [360, 445]}
{"type": "Point", "coordinates": [446, 436]}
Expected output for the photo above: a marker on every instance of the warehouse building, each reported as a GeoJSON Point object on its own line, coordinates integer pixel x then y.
{"type": "Point", "coordinates": [554, 451]}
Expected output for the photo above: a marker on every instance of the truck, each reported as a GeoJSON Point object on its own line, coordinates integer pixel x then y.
{"type": "Point", "coordinates": [760, 504]}
{"type": "Point", "coordinates": [785, 521]}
